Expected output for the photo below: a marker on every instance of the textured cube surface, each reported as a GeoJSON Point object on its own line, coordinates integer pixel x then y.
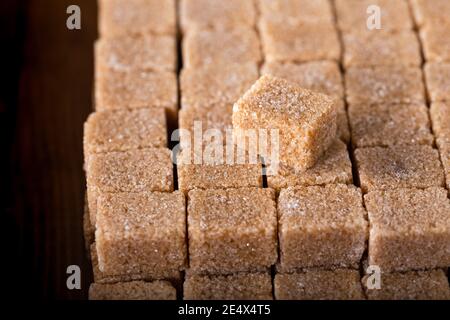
{"type": "Point", "coordinates": [444, 150]}
{"type": "Point", "coordinates": [440, 119]}
{"type": "Point", "coordinates": [141, 233]}
{"type": "Point", "coordinates": [137, 290]}
{"type": "Point", "coordinates": [409, 229]}
{"type": "Point", "coordinates": [384, 85]}
{"type": "Point", "coordinates": [231, 230]}
{"type": "Point", "coordinates": [436, 41]}
{"type": "Point", "coordinates": [122, 130]}
{"type": "Point", "coordinates": [332, 168]}
{"type": "Point", "coordinates": [118, 17]}
{"type": "Point", "coordinates": [147, 52]}
{"type": "Point", "coordinates": [205, 47]}
{"type": "Point", "coordinates": [296, 11]}
{"type": "Point", "coordinates": [299, 43]}
{"type": "Point", "coordinates": [306, 121]}
{"type": "Point", "coordinates": [426, 11]}
{"type": "Point", "coordinates": [438, 81]}
{"type": "Point", "coordinates": [381, 48]}
{"type": "Point", "coordinates": [217, 117]}
{"type": "Point", "coordinates": [130, 171]}
{"type": "Point", "coordinates": [321, 76]}
{"type": "Point", "coordinates": [339, 284]}
{"type": "Point", "coordinates": [216, 14]}
{"type": "Point", "coordinates": [136, 90]}
{"type": "Point", "coordinates": [216, 84]}
{"type": "Point", "coordinates": [412, 285]}
{"type": "Point", "coordinates": [174, 276]}
{"type": "Point", "coordinates": [206, 169]}
{"type": "Point", "coordinates": [398, 167]}
{"type": "Point", "coordinates": [321, 227]}
{"type": "Point", "coordinates": [241, 286]}
{"type": "Point", "coordinates": [386, 124]}
{"type": "Point", "coordinates": [352, 14]}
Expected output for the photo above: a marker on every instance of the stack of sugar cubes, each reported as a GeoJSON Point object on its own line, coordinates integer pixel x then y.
{"type": "Point", "coordinates": [306, 166]}
{"type": "Point", "coordinates": [134, 222]}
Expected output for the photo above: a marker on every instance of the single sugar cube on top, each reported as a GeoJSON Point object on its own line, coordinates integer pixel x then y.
{"type": "Point", "coordinates": [305, 121]}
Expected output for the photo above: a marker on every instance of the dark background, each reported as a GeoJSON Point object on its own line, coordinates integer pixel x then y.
{"type": "Point", "coordinates": [45, 96]}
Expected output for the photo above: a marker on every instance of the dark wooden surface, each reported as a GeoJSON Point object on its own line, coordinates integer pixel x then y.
{"type": "Point", "coordinates": [44, 175]}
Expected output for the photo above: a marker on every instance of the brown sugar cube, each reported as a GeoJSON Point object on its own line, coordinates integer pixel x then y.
{"type": "Point", "coordinates": [216, 14]}
{"type": "Point", "coordinates": [398, 166]}
{"type": "Point", "coordinates": [215, 166]}
{"type": "Point", "coordinates": [296, 11]}
{"type": "Point", "coordinates": [412, 285]}
{"type": "Point", "coordinates": [321, 76]}
{"type": "Point", "coordinates": [438, 81]}
{"type": "Point", "coordinates": [440, 118]}
{"type": "Point", "coordinates": [118, 17]}
{"type": "Point", "coordinates": [305, 120]}
{"type": "Point", "coordinates": [216, 84]}
{"type": "Point", "coordinates": [340, 284]}
{"type": "Point", "coordinates": [130, 171]}
{"type": "Point", "coordinates": [122, 130]}
{"type": "Point", "coordinates": [384, 85]}
{"type": "Point", "coordinates": [136, 290]}
{"type": "Point", "coordinates": [436, 41]}
{"type": "Point", "coordinates": [141, 233]}
{"type": "Point", "coordinates": [241, 286]}
{"type": "Point", "coordinates": [299, 43]}
{"type": "Point", "coordinates": [352, 14]}
{"type": "Point", "coordinates": [206, 47]}
{"type": "Point", "coordinates": [444, 150]}
{"type": "Point", "coordinates": [321, 227]}
{"type": "Point", "coordinates": [136, 90]}
{"type": "Point", "coordinates": [146, 52]}
{"type": "Point", "coordinates": [332, 168]}
{"type": "Point", "coordinates": [381, 48]}
{"type": "Point", "coordinates": [409, 229]}
{"type": "Point", "coordinates": [174, 276]}
{"type": "Point", "coordinates": [216, 117]}
{"type": "Point", "coordinates": [425, 11]}
{"type": "Point", "coordinates": [387, 125]}
{"type": "Point", "coordinates": [233, 230]}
